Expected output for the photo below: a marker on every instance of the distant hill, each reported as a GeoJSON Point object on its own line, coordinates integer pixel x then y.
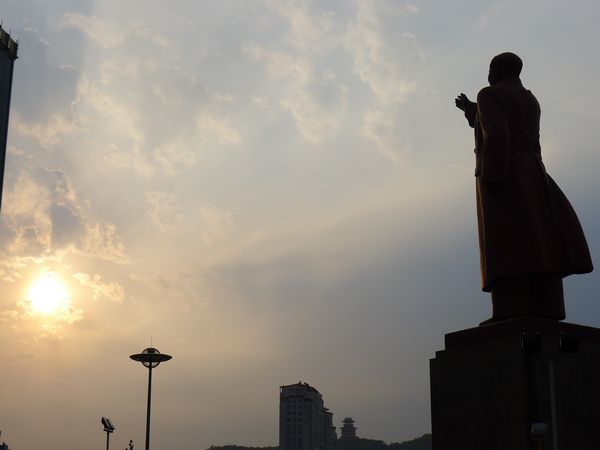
{"type": "Point", "coordinates": [420, 443]}
{"type": "Point", "coordinates": [239, 447]}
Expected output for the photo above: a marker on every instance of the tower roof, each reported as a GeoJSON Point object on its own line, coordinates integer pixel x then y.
{"type": "Point", "coordinates": [8, 44]}
{"type": "Point", "coordinates": [300, 385]}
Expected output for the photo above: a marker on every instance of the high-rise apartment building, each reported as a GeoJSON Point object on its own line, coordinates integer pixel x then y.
{"type": "Point", "coordinates": [8, 54]}
{"type": "Point", "coordinates": [304, 422]}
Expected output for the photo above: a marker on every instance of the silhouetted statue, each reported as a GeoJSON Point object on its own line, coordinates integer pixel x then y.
{"type": "Point", "coordinates": [529, 235]}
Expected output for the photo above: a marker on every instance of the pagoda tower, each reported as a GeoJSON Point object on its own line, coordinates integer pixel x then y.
{"type": "Point", "coordinates": [348, 428]}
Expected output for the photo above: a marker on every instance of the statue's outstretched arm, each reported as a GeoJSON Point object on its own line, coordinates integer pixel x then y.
{"type": "Point", "coordinates": [463, 103]}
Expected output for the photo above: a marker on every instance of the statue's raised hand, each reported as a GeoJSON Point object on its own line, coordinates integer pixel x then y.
{"type": "Point", "coordinates": [462, 102]}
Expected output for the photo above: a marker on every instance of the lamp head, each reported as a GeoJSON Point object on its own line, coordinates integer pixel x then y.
{"type": "Point", "coordinates": [150, 357]}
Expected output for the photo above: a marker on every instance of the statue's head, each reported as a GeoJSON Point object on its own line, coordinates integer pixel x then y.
{"type": "Point", "coordinates": [504, 65]}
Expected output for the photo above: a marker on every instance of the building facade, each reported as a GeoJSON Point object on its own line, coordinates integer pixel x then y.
{"type": "Point", "coordinates": [304, 422]}
{"type": "Point", "coordinates": [8, 54]}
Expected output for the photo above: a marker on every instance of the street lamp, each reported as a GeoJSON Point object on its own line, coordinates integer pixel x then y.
{"type": "Point", "coordinates": [108, 427]}
{"type": "Point", "coordinates": [150, 358]}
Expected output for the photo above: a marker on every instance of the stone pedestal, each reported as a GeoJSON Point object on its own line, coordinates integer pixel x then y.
{"type": "Point", "coordinates": [493, 383]}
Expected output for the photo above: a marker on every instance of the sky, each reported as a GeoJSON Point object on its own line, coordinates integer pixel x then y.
{"type": "Point", "coordinates": [268, 190]}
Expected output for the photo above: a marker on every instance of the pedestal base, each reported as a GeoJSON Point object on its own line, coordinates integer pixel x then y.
{"type": "Point", "coordinates": [493, 383]}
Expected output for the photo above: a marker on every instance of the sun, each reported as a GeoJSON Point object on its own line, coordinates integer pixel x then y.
{"type": "Point", "coordinates": [48, 295]}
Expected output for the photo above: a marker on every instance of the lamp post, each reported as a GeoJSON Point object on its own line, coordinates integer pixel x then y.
{"type": "Point", "coordinates": [150, 358]}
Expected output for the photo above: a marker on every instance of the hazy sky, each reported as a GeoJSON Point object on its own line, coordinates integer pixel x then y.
{"type": "Point", "coordinates": [275, 191]}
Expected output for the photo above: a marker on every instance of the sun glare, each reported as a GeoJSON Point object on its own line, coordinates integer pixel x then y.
{"type": "Point", "coordinates": [48, 295]}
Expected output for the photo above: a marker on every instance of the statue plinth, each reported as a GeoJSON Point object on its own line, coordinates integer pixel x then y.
{"type": "Point", "coordinates": [519, 384]}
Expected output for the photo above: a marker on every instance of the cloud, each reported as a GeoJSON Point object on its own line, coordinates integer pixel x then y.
{"type": "Point", "coordinates": [147, 125]}
{"type": "Point", "coordinates": [379, 127]}
{"type": "Point", "coordinates": [307, 86]}
{"type": "Point", "coordinates": [375, 61]}
{"type": "Point", "coordinates": [171, 158]}
{"type": "Point", "coordinates": [319, 108]}
{"type": "Point", "coordinates": [102, 242]}
{"type": "Point", "coordinates": [26, 215]}
{"type": "Point", "coordinates": [163, 209]}
{"type": "Point", "coordinates": [411, 8]}
{"type": "Point", "coordinates": [110, 35]}
{"type": "Point", "coordinates": [46, 134]}
{"type": "Point", "coordinates": [306, 83]}
{"type": "Point", "coordinates": [415, 43]}
{"type": "Point", "coordinates": [40, 212]}
{"type": "Point", "coordinates": [95, 29]}
{"type": "Point", "coordinates": [317, 103]}
{"type": "Point", "coordinates": [45, 225]}
{"type": "Point", "coordinates": [216, 223]}
{"type": "Point", "coordinates": [493, 11]}
{"type": "Point", "coordinates": [111, 290]}
{"type": "Point", "coordinates": [215, 130]}
{"type": "Point", "coordinates": [280, 65]}
{"type": "Point", "coordinates": [22, 318]}
{"type": "Point", "coordinates": [310, 30]}
{"type": "Point", "coordinates": [119, 115]}
{"type": "Point", "coordinates": [211, 131]}
{"type": "Point", "coordinates": [43, 216]}
{"type": "Point", "coordinates": [184, 288]}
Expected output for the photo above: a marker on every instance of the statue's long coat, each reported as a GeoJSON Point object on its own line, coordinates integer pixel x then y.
{"type": "Point", "coordinates": [526, 224]}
